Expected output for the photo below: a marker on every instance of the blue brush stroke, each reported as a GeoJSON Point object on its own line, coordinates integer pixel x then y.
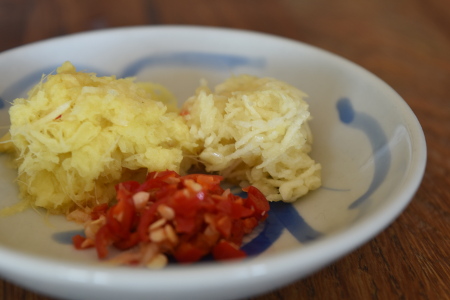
{"type": "Point", "coordinates": [281, 215]}
{"type": "Point", "coordinates": [378, 141]}
{"type": "Point", "coordinates": [192, 59]}
{"type": "Point", "coordinates": [273, 229]}
{"type": "Point", "coordinates": [19, 88]}
{"type": "Point", "coordinates": [294, 223]}
{"type": "Point", "coordinates": [65, 237]}
{"type": "Point", "coordinates": [23, 85]}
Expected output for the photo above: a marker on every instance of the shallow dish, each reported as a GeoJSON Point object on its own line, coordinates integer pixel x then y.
{"type": "Point", "coordinates": [369, 143]}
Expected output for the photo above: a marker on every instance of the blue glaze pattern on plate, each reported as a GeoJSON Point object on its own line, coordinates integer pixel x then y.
{"type": "Point", "coordinates": [378, 141]}
{"type": "Point", "coordinates": [192, 59]}
{"type": "Point", "coordinates": [25, 83]}
{"type": "Point", "coordinates": [19, 88]}
{"type": "Point", "coordinates": [272, 230]}
{"type": "Point", "coordinates": [65, 237]}
{"type": "Point", "coordinates": [281, 215]}
{"type": "Point", "coordinates": [293, 221]}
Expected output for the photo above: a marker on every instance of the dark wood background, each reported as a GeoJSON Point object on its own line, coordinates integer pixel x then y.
{"type": "Point", "coordinates": [404, 42]}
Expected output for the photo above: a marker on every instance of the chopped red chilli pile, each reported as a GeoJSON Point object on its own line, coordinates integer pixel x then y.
{"type": "Point", "coordinates": [184, 217]}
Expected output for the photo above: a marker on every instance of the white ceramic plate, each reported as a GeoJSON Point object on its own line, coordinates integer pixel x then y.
{"type": "Point", "coordinates": [367, 139]}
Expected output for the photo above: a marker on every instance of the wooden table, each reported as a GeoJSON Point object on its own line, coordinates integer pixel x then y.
{"type": "Point", "coordinates": [404, 42]}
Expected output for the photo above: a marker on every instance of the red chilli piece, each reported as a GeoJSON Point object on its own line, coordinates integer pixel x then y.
{"type": "Point", "coordinates": [103, 239]}
{"type": "Point", "coordinates": [99, 210]}
{"type": "Point", "coordinates": [258, 202]}
{"type": "Point", "coordinates": [206, 218]}
{"type": "Point", "coordinates": [77, 241]}
{"type": "Point", "coordinates": [225, 250]}
{"type": "Point", "coordinates": [188, 253]}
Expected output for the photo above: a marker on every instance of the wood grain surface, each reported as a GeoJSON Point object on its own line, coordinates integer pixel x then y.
{"type": "Point", "coordinates": [404, 42]}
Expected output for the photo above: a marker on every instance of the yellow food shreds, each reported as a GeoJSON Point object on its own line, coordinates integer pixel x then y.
{"type": "Point", "coordinates": [77, 135]}
{"type": "Point", "coordinates": [255, 130]}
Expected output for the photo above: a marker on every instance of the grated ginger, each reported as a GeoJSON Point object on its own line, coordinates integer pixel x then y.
{"type": "Point", "coordinates": [255, 131]}
{"type": "Point", "coordinates": [77, 135]}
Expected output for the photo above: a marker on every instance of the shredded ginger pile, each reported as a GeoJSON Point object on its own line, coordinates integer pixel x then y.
{"type": "Point", "coordinates": [77, 135]}
{"type": "Point", "coordinates": [255, 130]}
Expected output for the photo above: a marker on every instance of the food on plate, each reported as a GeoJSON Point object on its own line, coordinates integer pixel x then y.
{"type": "Point", "coordinates": [168, 215]}
{"type": "Point", "coordinates": [255, 131]}
{"type": "Point", "coordinates": [77, 135]}
{"type": "Point", "coordinates": [116, 154]}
